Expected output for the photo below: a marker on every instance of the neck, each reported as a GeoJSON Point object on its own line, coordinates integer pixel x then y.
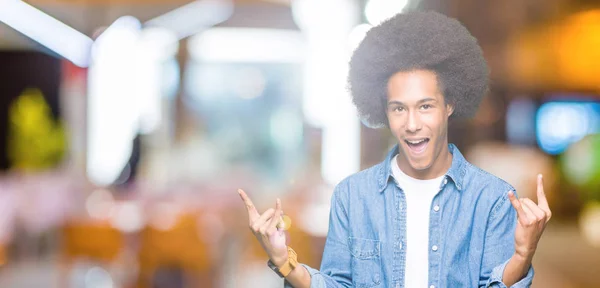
{"type": "Point", "coordinates": [441, 164]}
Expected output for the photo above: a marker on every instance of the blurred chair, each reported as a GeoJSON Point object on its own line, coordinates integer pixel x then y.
{"type": "Point", "coordinates": [3, 258]}
{"type": "Point", "coordinates": [98, 242]}
{"type": "Point", "coordinates": [95, 240]}
{"type": "Point", "coordinates": [167, 256]}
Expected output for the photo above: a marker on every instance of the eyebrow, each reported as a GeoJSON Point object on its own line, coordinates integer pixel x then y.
{"type": "Point", "coordinates": [418, 102]}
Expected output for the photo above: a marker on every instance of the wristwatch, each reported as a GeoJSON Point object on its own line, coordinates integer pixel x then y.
{"type": "Point", "coordinates": [287, 267]}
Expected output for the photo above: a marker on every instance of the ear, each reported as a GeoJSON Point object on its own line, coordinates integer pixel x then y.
{"type": "Point", "coordinates": [450, 109]}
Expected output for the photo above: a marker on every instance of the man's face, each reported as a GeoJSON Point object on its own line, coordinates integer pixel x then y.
{"type": "Point", "coordinates": [418, 117]}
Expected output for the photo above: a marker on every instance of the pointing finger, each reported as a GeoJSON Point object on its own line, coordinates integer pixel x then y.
{"type": "Point", "coordinates": [542, 201]}
{"type": "Point", "coordinates": [252, 213]}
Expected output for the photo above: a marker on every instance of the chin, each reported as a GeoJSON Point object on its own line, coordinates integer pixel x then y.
{"type": "Point", "coordinates": [422, 162]}
{"type": "Point", "coordinates": [420, 165]}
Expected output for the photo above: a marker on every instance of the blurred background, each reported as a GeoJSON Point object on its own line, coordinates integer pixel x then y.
{"type": "Point", "coordinates": [126, 127]}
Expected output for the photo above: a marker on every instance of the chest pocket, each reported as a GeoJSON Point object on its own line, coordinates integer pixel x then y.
{"type": "Point", "coordinates": [366, 262]}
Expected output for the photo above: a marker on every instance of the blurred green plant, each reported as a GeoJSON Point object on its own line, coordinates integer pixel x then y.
{"type": "Point", "coordinates": [35, 140]}
{"type": "Point", "coordinates": [580, 165]}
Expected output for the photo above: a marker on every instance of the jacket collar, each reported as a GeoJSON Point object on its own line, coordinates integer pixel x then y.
{"type": "Point", "coordinates": [456, 172]}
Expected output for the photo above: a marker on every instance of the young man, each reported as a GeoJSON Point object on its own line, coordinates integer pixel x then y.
{"type": "Point", "coordinates": [424, 217]}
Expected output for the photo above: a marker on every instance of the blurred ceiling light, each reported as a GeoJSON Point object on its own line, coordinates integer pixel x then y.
{"type": "Point", "coordinates": [124, 31]}
{"type": "Point", "coordinates": [318, 17]}
{"type": "Point", "coordinates": [247, 45]}
{"type": "Point", "coordinates": [341, 145]}
{"type": "Point", "coordinates": [559, 124]}
{"type": "Point", "coordinates": [123, 23]}
{"type": "Point", "coordinates": [155, 46]}
{"type": "Point", "coordinates": [377, 11]}
{"type": "Point", "coordinates": [159, 43]}
{"type": "Point", "coordinates": [49, 32]}
{"type": "Point", "coordinates": [125, 91]}
{"type": "Point", "coordinates": [124, 176]}
{"type": "Point", "coordinates": [327, 26]}
{"type": "Point", "coordinates": [113, 115]}
{"type": "Point", "coordinates": [194, 17]}
{"type": "Point", "coordinates": [357, 35]}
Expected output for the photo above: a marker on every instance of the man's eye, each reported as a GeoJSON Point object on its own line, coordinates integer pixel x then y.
{"type": "Point", "coordinates": [426, 106]}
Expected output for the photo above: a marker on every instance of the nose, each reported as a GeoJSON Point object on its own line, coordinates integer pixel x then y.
{"type": "Point", "coordinates": [413, 123]}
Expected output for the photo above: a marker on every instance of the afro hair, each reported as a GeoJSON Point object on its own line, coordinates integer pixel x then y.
{"type": "Point", "coordinates": [417, 40]}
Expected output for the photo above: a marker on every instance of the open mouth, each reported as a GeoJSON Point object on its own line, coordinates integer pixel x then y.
{"type": "Point", "coordinates": [417, 146]}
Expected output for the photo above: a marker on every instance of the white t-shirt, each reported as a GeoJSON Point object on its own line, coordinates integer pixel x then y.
{"type": "Point", "coordinates": [418, 194]}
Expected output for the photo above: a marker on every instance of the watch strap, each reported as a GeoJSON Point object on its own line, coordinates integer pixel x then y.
{"type": "Point", "coordinates": [290, 264]}
{"type": "Point", "coordinates": [286, 268]}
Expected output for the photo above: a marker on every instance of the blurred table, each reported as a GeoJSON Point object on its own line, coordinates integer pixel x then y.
{"type": "Point", "coordinates": [565, 260]}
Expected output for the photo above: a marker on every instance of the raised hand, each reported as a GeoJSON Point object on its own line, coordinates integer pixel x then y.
{"type": "Point", "coordinates": [265, 229]}
{"type": "Point", "coordinates": [532, 220]}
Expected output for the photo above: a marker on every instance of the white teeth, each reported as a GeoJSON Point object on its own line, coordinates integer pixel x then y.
{"type": "Point", "coordinates": [415, 142]}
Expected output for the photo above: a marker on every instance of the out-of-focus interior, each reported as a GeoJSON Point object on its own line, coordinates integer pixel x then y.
{"type": "Point", "coordinates": [127, 126]}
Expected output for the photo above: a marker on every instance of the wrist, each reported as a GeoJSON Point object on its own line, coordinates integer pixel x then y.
{"type": "Point", "coordinates": [523, 256]}
{"type": "Point", "coordinates": [522, 261]}
{"type": "Point", "coordinates": [516, 269]}
{"type": "Point", "coordinates": [280, 260]}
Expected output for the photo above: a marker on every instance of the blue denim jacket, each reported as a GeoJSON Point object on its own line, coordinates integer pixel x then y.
{"type": "Point", "coordinates": [473, 230]}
